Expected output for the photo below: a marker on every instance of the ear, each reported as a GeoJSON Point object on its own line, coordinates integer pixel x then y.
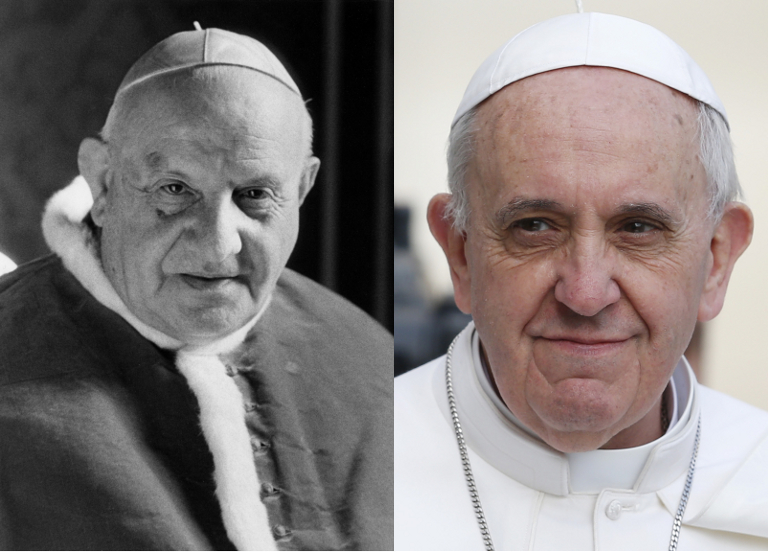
{"type": "Point", "coordinates": [93, 162]}
{"type": "Point", "coordinates": [731, 238]}
{"type": "Point", "coordinates": [307, 179]}
{"type": "Point", "coordinates": [452, 241]}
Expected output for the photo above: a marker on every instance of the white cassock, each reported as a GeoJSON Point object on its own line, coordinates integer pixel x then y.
{"type": "Point", "coordinates": [536, 498]}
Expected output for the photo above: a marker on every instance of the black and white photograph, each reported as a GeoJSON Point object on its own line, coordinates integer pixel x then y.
{"type": "Point", "coordinates": [196, 300]}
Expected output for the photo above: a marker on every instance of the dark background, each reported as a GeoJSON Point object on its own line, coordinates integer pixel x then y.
{"type": "Point", "coordinates": [61, 62]}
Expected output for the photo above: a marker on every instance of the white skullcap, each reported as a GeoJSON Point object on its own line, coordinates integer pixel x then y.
{"type": "Point", "coordinates": [200, 48]}
{"type": "Point", "coordinates": [596, 39]}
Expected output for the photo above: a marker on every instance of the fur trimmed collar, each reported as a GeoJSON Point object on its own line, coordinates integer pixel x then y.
{"type": "Point", "coordinates": [221, 404]}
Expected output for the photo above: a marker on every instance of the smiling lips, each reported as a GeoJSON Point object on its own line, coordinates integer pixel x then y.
{"type": "Point", "coordinates": [586, 345]}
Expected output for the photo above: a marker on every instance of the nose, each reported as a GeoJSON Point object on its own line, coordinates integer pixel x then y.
{"type": "Point", "coordinates": [586, 278]}
{"type": "Point", "coordinates": [216, 236]}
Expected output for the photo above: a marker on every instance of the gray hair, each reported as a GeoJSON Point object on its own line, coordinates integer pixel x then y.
{"type": "Point", "coordinates": [716, 155]}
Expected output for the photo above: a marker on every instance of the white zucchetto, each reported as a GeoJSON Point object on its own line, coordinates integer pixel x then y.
{"type": "Point", "coordinates": [595, 39]}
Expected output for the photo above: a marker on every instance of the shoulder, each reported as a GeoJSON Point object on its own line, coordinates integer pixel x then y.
{"type": "Point", "coordinates": [732, 466]}
{"type": "Point", "coordinates": [419, 405]}
{"type": "Point", "coordinates": [25, 276]}
{"type": "Point", "coordinates": [415, 387]}
{"type": "Point", "coordinates": [33, 317]}
{"type": "Point", "coordinates": [304, 301]}
{"type": "Point", "coordinates": [325, 344]}
{"type": "Point", "coordinates": [50, 326]}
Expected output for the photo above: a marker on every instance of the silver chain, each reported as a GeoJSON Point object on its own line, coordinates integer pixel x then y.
{"type": "Point", "coordinates": [672, 545]}
{"type": "Point", "coordinates": [471, 481]}
{"type": "Point", "coordinates": [480, 518]}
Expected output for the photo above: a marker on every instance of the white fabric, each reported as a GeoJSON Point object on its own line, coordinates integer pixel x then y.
{"type": "Point", "coordinates": [526, 487]}
{"type": "Point", "coordinates": [596, 39]}
{"type": "Point", "coordinates": [6, 265]}
{"type": "Point", "coordinates": [221, 404]}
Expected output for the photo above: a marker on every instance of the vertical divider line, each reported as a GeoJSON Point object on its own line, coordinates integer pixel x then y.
{"type": "Point", "coordinates": [330, 160]}
{"type": "Point", "coordinates": [383, 278]}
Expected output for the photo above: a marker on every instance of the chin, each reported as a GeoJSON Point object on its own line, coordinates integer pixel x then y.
{"type": "Point", "coordinates": [576, 442]}
{"type": "Point", "coordinates": [578, 414]}
{"type": "Point", "coordinates": [209, 324]}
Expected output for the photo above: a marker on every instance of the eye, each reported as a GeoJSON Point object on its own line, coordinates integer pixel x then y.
{"type": "Point", "coordinates": [255, 194]}
{"type": "Point", "coordinates": [532, 225]}
{"type": "Point", "coordinates": [174, 188]}
{"type": "Point", "coordinates": [638, 227]}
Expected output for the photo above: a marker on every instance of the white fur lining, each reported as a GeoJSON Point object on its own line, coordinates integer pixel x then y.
{"type": "Point", "coordinates": [72, 241]}
{"type": "Point", "coordinates": [221, 404]}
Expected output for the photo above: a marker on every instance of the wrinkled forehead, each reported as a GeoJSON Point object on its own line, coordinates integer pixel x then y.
{"type": "Point", "coordinates": [563, 125]}
{"type": "Point", "coordinates": [560, 100]}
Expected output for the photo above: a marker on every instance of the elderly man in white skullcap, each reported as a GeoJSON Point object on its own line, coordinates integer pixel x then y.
{"type": "Point", "coordinates": [593, 219]}
{"type": "Point", "coordinates": [165, 382]}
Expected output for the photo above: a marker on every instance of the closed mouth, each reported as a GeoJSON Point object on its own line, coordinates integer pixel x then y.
{"type": "Point", "coordinates": [207, 282]}
{"type": "Point", "coordinates": [585, 341]}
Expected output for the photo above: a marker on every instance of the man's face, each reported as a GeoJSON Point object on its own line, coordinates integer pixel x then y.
{"type": "Point", "coordinates": [588, 248]}
{"type": "Point", "coordinates": [201, 210]}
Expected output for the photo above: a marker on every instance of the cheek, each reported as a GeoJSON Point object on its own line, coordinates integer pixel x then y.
{"type": "Point", "coordinates": [665, 296]}
{"type": "Point", "coordinates": [506, 293]}
{"type": "Point", "coordinates": [271, 241]}
{"type": "Point", "coordinates": [135, 241]}
{"type": "Point", "coordinates": [133, 254]}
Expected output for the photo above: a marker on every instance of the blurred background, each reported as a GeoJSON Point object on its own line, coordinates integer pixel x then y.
{"type": "Point", "coordinates": [61, 62]}
{"type": "Point", "coordinates": [438, 46]}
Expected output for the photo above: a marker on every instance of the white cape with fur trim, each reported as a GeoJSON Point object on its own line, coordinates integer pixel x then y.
{"type": "Point", "coordinates": [221, 405]}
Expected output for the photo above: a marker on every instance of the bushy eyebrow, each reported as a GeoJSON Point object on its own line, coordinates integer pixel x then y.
{"type": "Point", "coordinates": [652, 210]}
{"type": "Point", "coordinates": [519, 205]}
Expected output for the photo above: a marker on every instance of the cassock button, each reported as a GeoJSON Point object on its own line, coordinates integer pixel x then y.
{"type": "Point", "coordinates": [230, 370]}
{"type": "Point", "coordinates": [269, 489]}
{"type": "Point", "coordinates": [250, 406]}
{"type": "Point", "coordinates": [613, 510]}
{"type": "Point", "coordinates": [280, 531]}
{"type": "Point", "coordinates": [258, 446]}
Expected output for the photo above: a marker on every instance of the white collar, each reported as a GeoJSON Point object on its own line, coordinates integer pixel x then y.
{"type": "Point", "coordinates": [492, 432]}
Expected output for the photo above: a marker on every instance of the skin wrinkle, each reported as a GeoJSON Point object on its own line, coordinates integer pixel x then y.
{"type": "Point", "coordinates": [188, 246]}
{"type": "Point", "coordinates": [587, 225]}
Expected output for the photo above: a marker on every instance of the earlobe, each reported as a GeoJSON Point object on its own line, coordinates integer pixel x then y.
{"type": "Point", "coordinates": [731, 238]}
{"type": "Point", "coordinates": [307, 179]}
{"type": "Point", "coordinates": [93, 162]}
{"type": "Point", "coordinates": [452, 241]}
